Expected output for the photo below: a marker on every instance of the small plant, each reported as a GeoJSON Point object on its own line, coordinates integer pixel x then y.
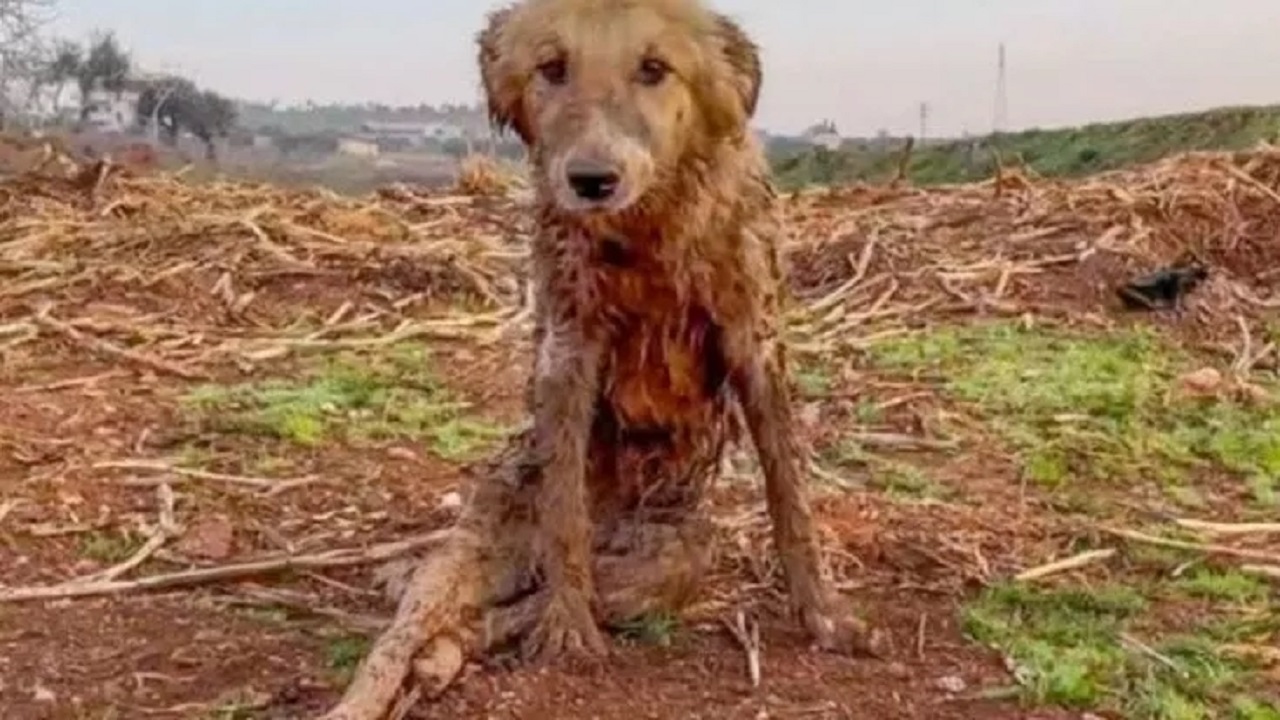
{"type": "Point", "coordinates": [1230, 586]}
{"type": "Point", "coordinates": [1077, 648]}
{"type": "Point", "coordinates": [1093, 408]}
{"type": "Point", "coordinates": [344, 654]}
{"type": "Point", "coordinates": [657, 629]}
{"type": "Point", "coordinates": [813, 382]}
{"type": "Point", "coordinates": [357, 397]}
{"type": "Point", "coordinates": [109, 548]}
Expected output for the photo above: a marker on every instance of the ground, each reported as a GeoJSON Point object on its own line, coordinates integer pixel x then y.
{"type": "Point", "coordinates": [195, 378]}
{"type": "Point", "coordinates": [1056, 152]}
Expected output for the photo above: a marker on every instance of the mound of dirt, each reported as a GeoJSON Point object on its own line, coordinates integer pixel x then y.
{"type": "Point", "coordinates": [1025, 244]}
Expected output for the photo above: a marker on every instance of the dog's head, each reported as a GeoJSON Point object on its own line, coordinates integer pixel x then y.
{"type": "Point", "coordinates": [612, 96]}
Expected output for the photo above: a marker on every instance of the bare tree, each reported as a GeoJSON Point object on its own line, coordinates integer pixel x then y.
{"type": "Point", "coordinates": [179, 105]}
{"type": "Point", "coordinates": [23, 55]}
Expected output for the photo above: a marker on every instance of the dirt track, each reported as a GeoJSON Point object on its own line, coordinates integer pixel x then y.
{"type": "Point", "coordinates": [291, 374]}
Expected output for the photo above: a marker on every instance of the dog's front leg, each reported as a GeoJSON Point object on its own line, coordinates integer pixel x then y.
{"type": "Point", "coordinates": [566, 380]}
{"type": "Point", "coordinates": [758, 377]}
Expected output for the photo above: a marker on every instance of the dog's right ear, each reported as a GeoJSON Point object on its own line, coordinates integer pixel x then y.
{"type": "Point", "coordinates": [733, 84]}
{"type": "Point", "coordinates": [503, 90]}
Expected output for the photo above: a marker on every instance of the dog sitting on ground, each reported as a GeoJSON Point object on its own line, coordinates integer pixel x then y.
{"type": "Point", "coordinates": [656, 272]}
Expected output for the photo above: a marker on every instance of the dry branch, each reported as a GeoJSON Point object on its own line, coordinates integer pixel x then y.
{"type": "Point", "coordinates": [109, 349]}
{"type": "Point", "coordinates": [1065, 565]}
{"type": "Point", "coordinates": [1206, 548]}
{"type": "Point", "coordinates": [221, 573]}
{"type": "Point", "coordinates": [1213, 528]}
{"type": "Point", "coordinates": [166, 527]}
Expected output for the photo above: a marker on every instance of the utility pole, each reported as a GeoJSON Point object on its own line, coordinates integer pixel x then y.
{"type": "Point", "coordinates": [924, 121]}
{"type": "Point", "coordinates": [1001, 116]}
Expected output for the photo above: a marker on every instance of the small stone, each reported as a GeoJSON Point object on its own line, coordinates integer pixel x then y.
{"type": "Point", "coordinates": [1255, 395]}
{"type": "Point", "coordinates": [402, 453]}
{"type": "Point", "coordinates": [810, 415]}
{"type": "Point", "coordinates": [211, 538]}
{"type": "Point", "coordinates": [952, 684]}
{"type": "Point", "coordinates": [1205, 382]}
{"type": "Point", "coordinates": [451, 501]}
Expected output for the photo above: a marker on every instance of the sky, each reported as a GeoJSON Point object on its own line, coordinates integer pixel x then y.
{"type": "Point", "coordinates": [866, 65]}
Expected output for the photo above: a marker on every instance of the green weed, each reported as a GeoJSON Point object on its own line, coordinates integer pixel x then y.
{"type": "Point", "coordinates": [655, 629]}
{"type": "Point", "coordinates": [109, 548]}
{"type": "Point", "coordinates": [388, 395]}
{"type": "Point", "coordinates": [1092, 408]}
{"type": "Point", "coordinates": [1078, 648]}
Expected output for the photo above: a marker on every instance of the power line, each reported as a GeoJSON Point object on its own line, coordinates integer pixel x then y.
{"type": "Point", "coordinates": [924, 121]}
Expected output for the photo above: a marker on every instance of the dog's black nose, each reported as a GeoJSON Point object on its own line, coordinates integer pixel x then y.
{"type": "Point", "coordinates": [592, 181]}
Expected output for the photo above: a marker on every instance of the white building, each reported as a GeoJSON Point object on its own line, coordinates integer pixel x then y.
{"type": "Point", "coordinates": [107, 111]}
{"type": "Point", "coordinates": [358, 147]}
{"type": "Point", "coordinates": [825, 135]}
{"type": "Point", "coordinates": [415, 133]}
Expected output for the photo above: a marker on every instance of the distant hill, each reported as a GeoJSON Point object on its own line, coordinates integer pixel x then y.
{"type": "Point", "coordinates": [1065, 152]}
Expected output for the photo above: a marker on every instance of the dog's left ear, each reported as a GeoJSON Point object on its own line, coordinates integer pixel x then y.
{"type": "Point", "coordinates": [503, 92]}
{"type": "Point", "coordinates": [736, 76]}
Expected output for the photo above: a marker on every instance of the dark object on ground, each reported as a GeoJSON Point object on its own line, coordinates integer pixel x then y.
{"type": "Point", "coordinates": [1164, 288]}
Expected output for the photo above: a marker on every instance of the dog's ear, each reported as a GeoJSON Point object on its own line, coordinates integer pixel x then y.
{"type": "Point", "coordinates": [735, 78]}
{"type": "Point", "coordinates": [503, 91]}
{"type": "Point", "coordinates": [743, 58]}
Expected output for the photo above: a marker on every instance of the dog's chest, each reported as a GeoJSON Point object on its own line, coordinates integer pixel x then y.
{"type": "Point", "coordinates": [664, 366]}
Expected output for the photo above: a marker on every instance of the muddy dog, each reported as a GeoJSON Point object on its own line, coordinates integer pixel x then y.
{"type": "Point", "coordinates": [656, 273]}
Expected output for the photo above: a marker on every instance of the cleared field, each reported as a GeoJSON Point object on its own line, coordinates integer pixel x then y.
{"type": "Point", "coordinates": [223, 403]}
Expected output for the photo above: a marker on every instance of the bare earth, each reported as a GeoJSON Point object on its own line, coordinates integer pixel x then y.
{"type": "Point", "coordinates": [291, 374]}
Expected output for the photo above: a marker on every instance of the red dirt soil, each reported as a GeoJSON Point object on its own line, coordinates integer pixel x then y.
{"type": "Point", "coordinates": [227, 282]}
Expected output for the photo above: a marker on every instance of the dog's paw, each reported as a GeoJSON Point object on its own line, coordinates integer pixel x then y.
{"type": "Point", "coordinates": [567, 627]}
{"type": "Point", "coordinates": [843, 633]}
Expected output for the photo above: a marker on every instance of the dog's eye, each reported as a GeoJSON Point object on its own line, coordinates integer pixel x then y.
{"type": "Point", "coordinates": [554, 71]}
{"type": "Point", "coordinates": [653, 71]}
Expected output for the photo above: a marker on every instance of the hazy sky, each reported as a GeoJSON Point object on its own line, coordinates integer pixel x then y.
{"type": "Point", "coordinates": [867, 65]}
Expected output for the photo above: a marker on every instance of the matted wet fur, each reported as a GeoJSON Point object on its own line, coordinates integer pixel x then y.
{"type": "Point", "coordinates": [657, 282]}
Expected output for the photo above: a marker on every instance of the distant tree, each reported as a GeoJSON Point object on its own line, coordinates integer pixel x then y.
{"type": "Point", "coordinates": [24, 54]}
{"type": "Point", "coordinates": [177, 105]}
{"type": "Point", "coordinates": [105, 65]}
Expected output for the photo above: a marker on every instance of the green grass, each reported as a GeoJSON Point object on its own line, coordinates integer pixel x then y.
{"type": "Point", "coordinates": [813, 382]}
{"type": "Point", "coordinates": [1086, 649]}
{"type": "Point", "coordinates": [895, 478]}
{"type": "Point", "coordinates": [659, 629]}
{"type": "Point", "coordinates": [1230, 586]}
{"type": "Point", "coordinates": [343, 655]}
{"type": "Point", "coordinates": [1093, 408]}
{"type": "Point", "coordinates": [357, 397]}
{"type": "Point", "coordinates": [1066, 152]}
{"type": "Point", "coordinates": [109, 548]}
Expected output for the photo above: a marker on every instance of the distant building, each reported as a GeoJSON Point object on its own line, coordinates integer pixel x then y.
{"type": "Point", "coordinates": [415, 133]}
{"type": "Point", "coordinates": [443, 131]}
{"type": "Point", "coordinates": [108, 111]}
{"type": "Point", "coordinates": [825, 135]}
{"type": "Point", "coordinates": [358, 147]}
